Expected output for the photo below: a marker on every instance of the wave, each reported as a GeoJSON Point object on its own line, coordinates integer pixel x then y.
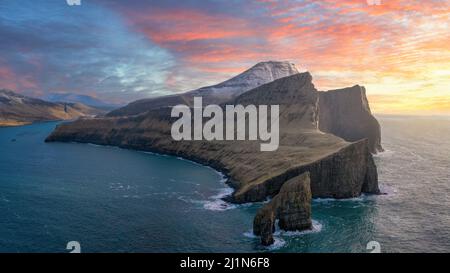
{"type": "Point", "coordinates": [360, 198]}
{"type": "Point", "coordinates": [316, 227]}
{"type": "Point", "coordinates": [250, 234]}
{"type": "Point", "coordinates": [94, 145]}
{"type": "Point", "coordinates": [217, 204]}
{"type": "Point", "coordinates": [385, 154]}
{"type": "Point", "coordinates": [278, 235]}
{"type": "Point", "coordinates": [277, 244]}
{"type": "Point", "coordinates": [388, 190]}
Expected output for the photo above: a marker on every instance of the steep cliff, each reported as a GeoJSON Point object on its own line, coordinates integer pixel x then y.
{"type": "Point", "coordinates": [291, 207]}
{"type": "Point", "coordinates": [346, 113]}
{"type": "Point", "coordinates": [338, 168]}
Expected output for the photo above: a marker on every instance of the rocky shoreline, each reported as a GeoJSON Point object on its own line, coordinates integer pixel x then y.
{"type": "Point", "coordinates": [337, 168]}
{"type": "Point", "coordinates": [291, 207]}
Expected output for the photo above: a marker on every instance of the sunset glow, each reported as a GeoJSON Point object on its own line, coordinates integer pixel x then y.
{"type": "Point", "coordinates": [398, 50]}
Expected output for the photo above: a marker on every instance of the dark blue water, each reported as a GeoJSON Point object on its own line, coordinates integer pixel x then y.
{"type": "Point", "coordinates": [116, 200]}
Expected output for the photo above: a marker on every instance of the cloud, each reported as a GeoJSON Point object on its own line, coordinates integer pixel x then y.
{"type": "Point", "coordinates": [51, 47]}
{"type": "Point", "coordinates": [146, 48]}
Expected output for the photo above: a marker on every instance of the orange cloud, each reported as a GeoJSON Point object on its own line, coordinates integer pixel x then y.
{"type": "Point", "coordinates": [166, 26]}
{"type": "Point", "coordinates": [399, 46]}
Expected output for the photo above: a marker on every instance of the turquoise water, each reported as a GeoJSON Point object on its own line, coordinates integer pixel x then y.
{"type": "Point", "coordinates": [116, 200]}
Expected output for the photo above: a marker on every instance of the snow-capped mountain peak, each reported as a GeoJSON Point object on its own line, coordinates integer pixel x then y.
{"type": "Point", "coordinates": [259, 74]}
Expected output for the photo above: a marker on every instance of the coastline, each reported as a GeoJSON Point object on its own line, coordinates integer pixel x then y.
{"type": "Point", "coordinates": [226, 179]}
{"type": "Point", "coordinates": [14, 124]}
{"type": "Point", "coordinates": [25, 123]}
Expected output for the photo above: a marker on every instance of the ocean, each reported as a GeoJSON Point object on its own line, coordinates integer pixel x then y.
{"type": "Point", "coordinates": [115, 200]}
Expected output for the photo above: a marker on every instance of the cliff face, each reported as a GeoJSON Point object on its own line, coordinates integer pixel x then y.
{"type": "Point", "coordinates": [17, 109]}
{"type": "Point", "coordinates": [291, 206]}
{"type": "Point", "coordinates": [338, 168]}
{"type": "Point", "coordinates": [343, 112]}
{"type": "Point", "coordinates": [345, 173]}
{"type": "Point", "coordinates": [257, 75]}
{"type": "Point", "coordinates": [346, 113]}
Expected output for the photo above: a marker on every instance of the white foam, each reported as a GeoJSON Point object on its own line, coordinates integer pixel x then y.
{"type": "Point", "coordinates": [277, 244]}
{"type": "Point", "coordinates": [217, 204]}
{"type": "Point", "coordinates": [250, 234]}
{"type": "Point", "coordinates": [316, 227]}
{"type": "Point", "coordinates": [189, 200]}
{"type": "Point", "coordinates": [153, 153]}
{"type": "Point", "coordinates": [94, 145]}
{"type": "Point", "coordinates": [278, 234]}
{"type": "Point", "coordinates": [360, 198]}
{"type": "Point", "coordinates": [385, 154]}
{"type": "Point", "coordinates": [387, 190]}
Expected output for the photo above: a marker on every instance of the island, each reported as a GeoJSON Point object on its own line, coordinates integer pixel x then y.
{"type": "Point", "coordinates": [338, 163]}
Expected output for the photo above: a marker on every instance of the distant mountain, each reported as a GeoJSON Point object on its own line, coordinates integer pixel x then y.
{"type": "Point", "coordinates": [16, 109]}
{"type": "Point", "coordinates": [259, 74]}
{"type": "Point", "coordinates": [84, 99]}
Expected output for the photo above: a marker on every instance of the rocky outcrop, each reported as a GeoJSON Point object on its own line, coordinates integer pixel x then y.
{"type": "Point", "coordinates": [16, 109]}
{"type": "Point", "coordinates": [345, 173]}
{"type": "Point", "coordinates": [338, 168]}
{"type": "Point", "coordinates": [259, 74]}
{"type": "Point", "coordinates": [346, 113]}
{"type": "Point", "coordinates": [264, 225]}
{"type": "Point", "coordinates": [291, 207]}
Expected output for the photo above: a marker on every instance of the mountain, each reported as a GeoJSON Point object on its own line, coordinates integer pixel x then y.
{"type": "Point", "coordinates": [344, 112]}
{"type": "Point", "coordinates": [338, 168]}
{"type": "Point", "coordinates": [16, 109]}
{"type": "Point", "coordinates": [257, 75]}
{"type": "Point", "coordinates": [83, 99]}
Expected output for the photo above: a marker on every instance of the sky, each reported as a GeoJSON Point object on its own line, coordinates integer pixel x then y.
{"type": "Point", "coordinates": [119, 51]}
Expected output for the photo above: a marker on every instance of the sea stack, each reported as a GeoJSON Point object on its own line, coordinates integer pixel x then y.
{"type": "Point", "coordinates": [291, 207]}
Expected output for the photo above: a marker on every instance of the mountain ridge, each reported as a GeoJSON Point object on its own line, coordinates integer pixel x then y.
{"type": "Point", "coordinates": [17, 109]}
{"type": "Point", "coordinates": [343, 112]}
{"type": "Point", "coordinates": [257, 75]}
{"type": "Point", "coordinates": [78, 98]}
